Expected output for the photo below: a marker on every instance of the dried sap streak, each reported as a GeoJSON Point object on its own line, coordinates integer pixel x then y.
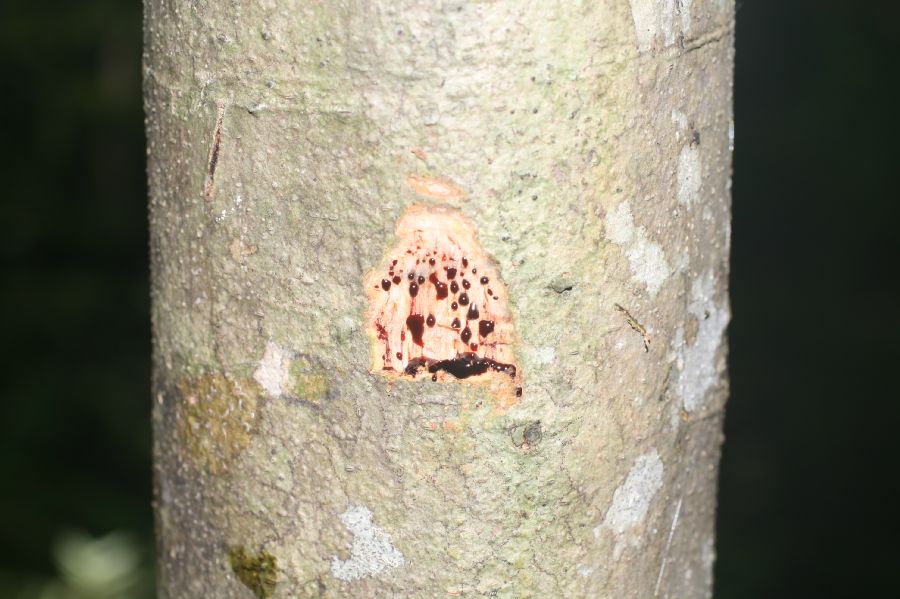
{"type": "Point", "coordinates": [446, 321]}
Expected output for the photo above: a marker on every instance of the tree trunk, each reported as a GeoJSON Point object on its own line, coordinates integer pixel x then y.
{"type": "Point", "coordinates": [327, 426]}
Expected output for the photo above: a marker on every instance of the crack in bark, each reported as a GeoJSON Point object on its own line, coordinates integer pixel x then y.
{"type": "Point", "coordinates": [214, 148]}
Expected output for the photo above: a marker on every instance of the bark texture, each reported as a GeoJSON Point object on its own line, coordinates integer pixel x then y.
{"type": "Point", "coordinates": [587, 143]}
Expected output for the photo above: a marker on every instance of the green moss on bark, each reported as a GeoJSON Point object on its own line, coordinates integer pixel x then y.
{"type": "Point", "coordinates": [258, 572]}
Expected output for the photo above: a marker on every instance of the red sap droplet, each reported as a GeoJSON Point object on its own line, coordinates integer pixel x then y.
{"type": "Point", "coordinates": [439, 287]}
{"type": "Point", "coordinates": [485, 327]}
{"type": "Point", "coordinates": [472, 314]}
{"type": "Point", "coordinates": [415, 323]}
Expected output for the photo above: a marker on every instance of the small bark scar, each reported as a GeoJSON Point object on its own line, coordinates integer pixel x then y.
{"type": "Point", "coordinates": [439, 308]}
{"type": "Point", "coordinates": [213, 159]}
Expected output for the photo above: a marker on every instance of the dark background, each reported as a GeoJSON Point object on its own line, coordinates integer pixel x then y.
{"type": "Point", "coordinates": [808, 482]}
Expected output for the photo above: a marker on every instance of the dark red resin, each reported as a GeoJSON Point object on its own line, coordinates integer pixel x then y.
{"type": "Point", "coordinates": [485, 327]}
{"type": "Point", "coordinates": [416, 325]}
{"type": "Point", "coordinates": [462, 367]}
{"type": "Point", "coordinates": [439, 287]}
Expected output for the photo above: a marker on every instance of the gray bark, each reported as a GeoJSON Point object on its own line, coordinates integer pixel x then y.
{"type": "Point", "coordinates": [586, 144]}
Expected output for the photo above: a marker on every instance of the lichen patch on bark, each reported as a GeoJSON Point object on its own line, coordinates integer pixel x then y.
{"type": "Point", "coordinates": [700, 362]}
{"type": "Point", "coordinates": [646, 257]}
{"type": "Point", "coordinates": [216, 416]}
{"type": "Point", "coordinates": [631, 501]}
{"type": "Point", "coordinates": [665, 21]}
{"type": "Point", "coordinates": [690, 174]}
{"type": "Point", "coordinates": [438, 308]}
{"type": "Point", "coordinates": [272, 371]}
{"type": "Point", "coordinates": [371, 551]}
{"type": "Point", "coordinates": [290, 375]}
{"type": "Point", "coordinates": [258, 572]}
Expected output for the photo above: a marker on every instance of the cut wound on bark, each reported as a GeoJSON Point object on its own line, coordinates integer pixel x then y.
{"type": "Point", "coordinates": [438, 307]}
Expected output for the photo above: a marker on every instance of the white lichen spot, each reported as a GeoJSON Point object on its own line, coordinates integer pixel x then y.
{"type": "Point", "coordinates": [645, 22]}
{"type": "Point", "coordinates": [708, 555]}
{"type": "Point", "coordinates": [690, 174]}
{"type": "Point", "coordinates": [646, 257]}
{"type": "Point", "coordinates": [632, 499]}
{"type": "Point", "coordinates": [699, 362]}
{"type": "Point", "coordinates": [726, 230]}
{"type": "Point", "coordinates": [648, 263]}
{"type": "Point", "coordinates": [685, 9]}
{"type": "Point", "coordinates": [620, 224]}
{"type": "Point", "coordinates": [681, 123]}
{"type": "Point", "coordinates": [272, 371]}
{"type": "Point", "coordinates": [546, 354]}
{"type": "Point", "coordinates": [657, 18]}
{"type": "Point", "coordinates": [583, 570]}
{"type": "Point", "coordinates": [682, 259]}
{"type": "Point", "coordinates": [371, 551]}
